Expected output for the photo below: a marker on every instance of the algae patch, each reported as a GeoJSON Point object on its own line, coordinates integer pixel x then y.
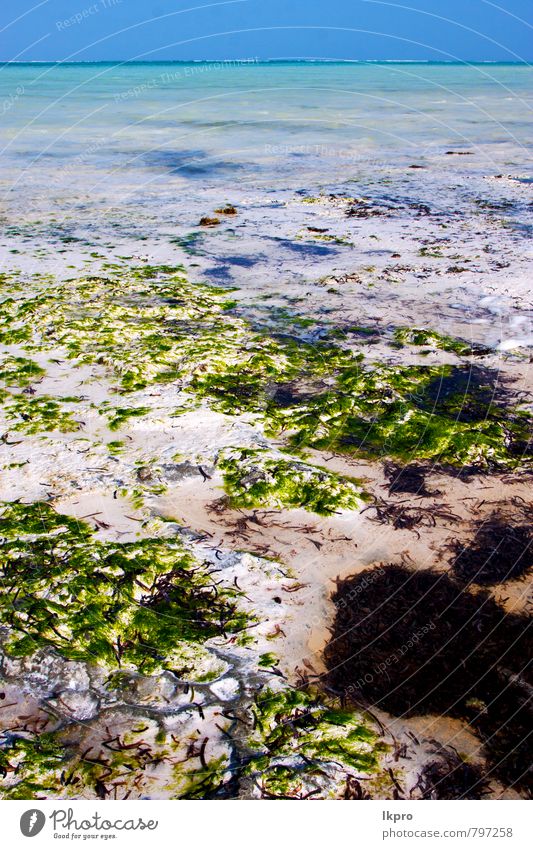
{"type": "Point", "coordinates": [449, 415]}
{"type": "Point", "coordinates": [148, 325]}
{"type": "Point", "coordinates": [253, 478]}
{"type": "Point", "coordinates": [126, 756]}
{"type": "Point", "coordinates": [422, 337]}
{"type": "Point", "coordinates": [304, 747]}
{"type": "Point", "coordinates": [148, 605]}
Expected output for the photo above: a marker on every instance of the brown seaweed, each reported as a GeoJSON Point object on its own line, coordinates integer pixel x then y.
{"type": "Point", "coordinates": [499, 552]}
{"type": "Point", "coordinates": [411, 478]}
{"type": "Point", "coordinates": [418, 642]}
{"type": "Point", "coordinates": [448, 776]}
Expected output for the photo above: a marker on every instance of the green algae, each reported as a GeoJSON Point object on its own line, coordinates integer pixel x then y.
{"type": "Point", "coordinates": [117, 416]}
{"type": "Point", "coordinates": [297, 737]}
{"type": "Point", "coordinates": [449, 415]}
{"type": "Point", "coordinates": [130, 605]}
{"type": "Point", "coordinates": [268, 660]}
{"type": "Point", "coordinates": [267, 373]}
{"type": "Point", "coordinates": [38, 414]}
{"type": "Point", "coordinates": [115, 447]}
{"type": "Point", "coordinates": [82, 761]}
{"type": "Point", "coordinates": [147, 325]}
{"type": "Point", "coordinates": [253, 478]}
{"type": "Point", "coordinates": [20, 372]}
{"type": "Point", "coordinates": [32, 766]}
{"type": "Point", "coordinates": [200, 783]}
{"type": "Point", "coordinates": [329, 238]}
{"type": "Point", "coordinates": [422, 337]}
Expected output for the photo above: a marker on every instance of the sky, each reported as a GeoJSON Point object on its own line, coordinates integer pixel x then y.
{"type": "Point", "coordinates": [149, 30]}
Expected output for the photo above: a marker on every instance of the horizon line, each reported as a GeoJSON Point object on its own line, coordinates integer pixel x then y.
{"type": "Point", "coordinates": [257, 61]}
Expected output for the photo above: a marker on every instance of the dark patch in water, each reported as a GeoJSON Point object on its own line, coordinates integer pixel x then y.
{"type": "Point", "coordinates": [503, 721]}
{"type": "Point", "coordinates": [467, 394]}
{"type": "Point", "coordinates": [448, 776]}
{"type": "Point", "coordinates": [188, 163]}
{"type": "Point", "coordinates": [418, 642]}
{"type": "Point", "coordinates": [307, 249]}
{"type": "Point", "coordinates": [220, 273]}
{"type": "Point", "coordinates": [190, 243]}
{"type": "Point", "coordinates": [242, 261]}
{"type": "Point", "coordinates": [286, 395]}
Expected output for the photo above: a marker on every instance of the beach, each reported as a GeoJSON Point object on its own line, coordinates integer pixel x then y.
{"type": "Point", "coordinates": [265, 338]}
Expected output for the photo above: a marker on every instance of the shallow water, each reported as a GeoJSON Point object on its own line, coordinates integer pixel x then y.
{"type": "Point", "coordinates": [214, 120]}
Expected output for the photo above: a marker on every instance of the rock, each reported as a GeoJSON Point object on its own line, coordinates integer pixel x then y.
{"type": "Point", "coordinates": [176, 472]}
{"type": "Point", "coordinates": [79, 706]}
{"type": "Point", "coordinates": [229, 209]}
{"type": "Point", "coordinates": [206, 221]}
{"type": "Point", "coordinates": [44, 673]}
{"type": "Point", "coordinates": [145, 690]}
{"type": "Point", "coordinates": [226, 689]}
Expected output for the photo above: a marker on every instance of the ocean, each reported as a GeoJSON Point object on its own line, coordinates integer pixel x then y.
{"type": "Point", "coordinates": [271, 122]}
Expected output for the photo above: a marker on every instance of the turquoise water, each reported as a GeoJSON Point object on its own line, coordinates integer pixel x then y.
{"type": "Point", "coordinates": [216, 120]}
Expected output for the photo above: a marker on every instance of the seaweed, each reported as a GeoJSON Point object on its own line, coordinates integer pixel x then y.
{"type": "Point", "coordinates": [118, 760]}
{"type": "Point", "coordinates": [144, 604]}
{"type": "Point", "coordinates": [299, 738]}
{"type": "Point", "coordinates": [411, 478]}
{"type": "Point", "coordinates": [119, 415]}
{"type": "Point", "coordinates": [148, 325]}
{"type": "Point", "coordinates": [253, 478]}
{"type": "Point", "coordinates": [407, 516]}
{"type": "Point", "coordinates": [417, 642]}
{"type": "Point", "coordinates": [35, 414]}
{"type": "Point", "coordinates": [228, 209]}
{"type": "Point", "coordinates": [500, 551]}
{"type": "Point", "coordinates": [31, 765]}
{"type": "Point", "coordinates": [136, 324]}
{"type": "Point", "coordinates": [19, 371]}
{"type": "Point", "coordinates": [259, 373]}
{"type": "Point", "coordinates": [449, 776]}
{"type": "Point", "coordinates": [423, 337]}
{"type": "Point", "coordinates": [207, 221]}
{"type": "Point", "coordinates": [453, 416]}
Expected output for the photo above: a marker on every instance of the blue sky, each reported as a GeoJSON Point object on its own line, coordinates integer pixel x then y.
{"type": "Point", "coordinates": [91, 30]}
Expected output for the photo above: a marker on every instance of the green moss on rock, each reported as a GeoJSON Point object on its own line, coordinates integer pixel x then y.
{"type": "Point", "coordinates": [421, 337]}
{"type": "Point", "coordinates": [131, 605]}
{"type": "Point", "coordinates": [301, 743]}
{"type": "Point", "coordinates": [253, 478]}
